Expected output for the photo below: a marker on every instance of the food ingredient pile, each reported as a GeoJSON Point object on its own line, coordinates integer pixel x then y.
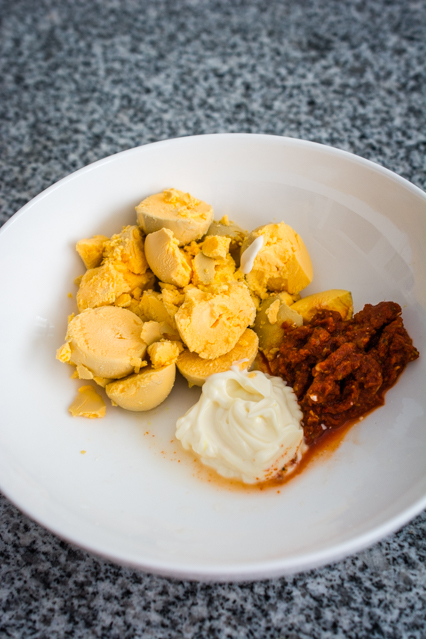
{"type": "Point", "coordinates": [180, 290]}
{"type": "Point", "coordinates": [341, 369]}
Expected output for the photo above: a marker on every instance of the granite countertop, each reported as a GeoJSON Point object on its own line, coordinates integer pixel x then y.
{"type": "Point", "coordinates": [80, 81]}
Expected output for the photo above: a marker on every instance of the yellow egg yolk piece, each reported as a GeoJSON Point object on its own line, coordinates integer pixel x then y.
{"type": "Point", "coordinates": [88, 403]}
{"type": "Point", "coordinates": [282, 263]}
{"type": "Point", "coordinates": [210, 323]}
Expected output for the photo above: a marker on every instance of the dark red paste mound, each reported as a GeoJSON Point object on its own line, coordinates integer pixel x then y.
{"type": "Point", "coordinates": [341, 369]}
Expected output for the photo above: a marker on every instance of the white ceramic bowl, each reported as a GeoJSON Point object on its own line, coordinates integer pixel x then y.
{"type": "Point", "coordinates": [128, 497]}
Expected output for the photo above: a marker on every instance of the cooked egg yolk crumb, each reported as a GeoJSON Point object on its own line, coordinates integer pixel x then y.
{"type": "Point", "coordinates": [88, 404]}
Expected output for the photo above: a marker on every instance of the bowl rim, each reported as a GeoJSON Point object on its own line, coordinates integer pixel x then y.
{"type": "Point", "coordinates": [257, 569]}
{"type": "Point", "coordinates": [261, 136]}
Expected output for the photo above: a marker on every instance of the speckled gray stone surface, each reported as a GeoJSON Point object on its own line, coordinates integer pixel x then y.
{"type": "Point", "coordinates": [82, 80]}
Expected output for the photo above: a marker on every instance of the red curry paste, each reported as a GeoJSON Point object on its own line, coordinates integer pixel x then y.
{"type": "Point", "coordinates": [341, 369]}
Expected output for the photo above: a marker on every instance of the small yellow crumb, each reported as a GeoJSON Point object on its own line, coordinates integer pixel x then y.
{"type": "Point", "coordinates": [138, 363]}
{"type": "Point", "coordinates": [83, 452]}
{"type": "Point", "coordinates": [216, 246]}
{"type": "Point", "coordinates": [91, 249]}
{"type": "Point", "coordinates": [203, 269]}
{"type": "Point", "coordinates": [83, 372]}
{"type": "Point", "coordinates": [88, 404]}
{"type": "Point", "coordinates": [164, 353]}
{"type": "Point", "coordinates": [136, 293]}
{"type": "Point", "coordinates": [64, 353]}
{"type": "Point", "coordinates": [123, 300]}
{"type": "Point", "coordinates": [151, 332]}
{"type": "Point", "coordinates": [272, 311]}
{"type": "Point", "coordinates": [70, 295]}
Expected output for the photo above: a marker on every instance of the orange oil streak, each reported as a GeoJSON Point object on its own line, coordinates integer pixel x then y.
{"type": "Point", "coordinates": [325, 446]}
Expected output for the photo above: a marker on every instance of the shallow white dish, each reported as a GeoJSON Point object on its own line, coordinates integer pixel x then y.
{"type": "Point", "coordinates": [128, 497]}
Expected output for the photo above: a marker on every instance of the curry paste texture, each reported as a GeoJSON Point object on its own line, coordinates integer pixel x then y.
{"type": "Point", "coordinates": [341, 369]}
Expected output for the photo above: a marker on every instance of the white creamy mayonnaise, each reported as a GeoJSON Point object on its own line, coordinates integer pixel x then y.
{"type": "Point", "coordinates": [250, 254]}
{"type": "Point", "coordinates": [246, 425]}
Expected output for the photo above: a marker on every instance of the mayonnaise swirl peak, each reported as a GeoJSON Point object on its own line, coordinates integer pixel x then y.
{"type": "Point", "coordinates": [246, 425]}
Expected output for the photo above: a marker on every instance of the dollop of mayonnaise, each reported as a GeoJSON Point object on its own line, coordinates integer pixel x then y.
{"type": "Point", "coordinates": [246, 425]}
